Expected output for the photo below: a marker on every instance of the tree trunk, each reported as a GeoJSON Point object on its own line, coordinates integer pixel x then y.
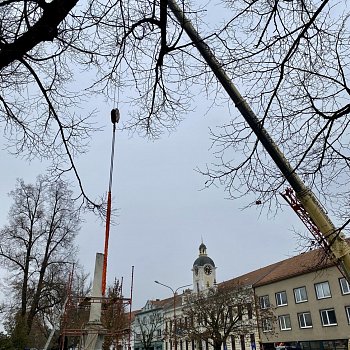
{"type": "Point", "coordinates": [217, 345]}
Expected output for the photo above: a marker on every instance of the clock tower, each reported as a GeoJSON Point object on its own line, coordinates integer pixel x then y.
{"type": "Point", "coordinates": [204, 274]}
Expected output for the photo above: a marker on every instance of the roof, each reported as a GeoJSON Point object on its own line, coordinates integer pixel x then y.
{"type": "Point", "coordinates": [250, 278]}
{"type": "Point", "coordinates": [163, 303]}
{"type": "Point", "coordinates": [203, 260]}
{"type": "Point", "coordinates": [297, 265]}
{"type": "Point", "coordinates": [202, 247]}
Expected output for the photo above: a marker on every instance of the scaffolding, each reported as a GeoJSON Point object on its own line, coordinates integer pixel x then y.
{"type": "Point", "coordinates": [115, 323]}
{"type": "Point", "coordinates": [89, 322]}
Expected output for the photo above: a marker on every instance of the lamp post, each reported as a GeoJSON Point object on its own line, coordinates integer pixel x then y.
{"type": "Point", "coordinates": [174, 305]}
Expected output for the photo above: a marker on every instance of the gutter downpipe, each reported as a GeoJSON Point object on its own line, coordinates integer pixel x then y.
{"type": "Point", "coordinates": [340, 250]}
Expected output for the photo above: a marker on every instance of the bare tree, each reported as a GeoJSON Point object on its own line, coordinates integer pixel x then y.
{"type": "Point", "coordinates": [37, 108]}
{"type": "Point", "coordinates": [5, 342]}
{"type": "Point", "coordinates": [78, 284]}
{"type": "Point", "coordinates": [115, 317]}
{"type": "Point", "coordinates": [289, 57]}
{"type": "Point", "coordinates": [213, 316]}
{"type": "Point", "coordinates": [281, 53]}
{"type": "Point", "coordinates": [37, 249]}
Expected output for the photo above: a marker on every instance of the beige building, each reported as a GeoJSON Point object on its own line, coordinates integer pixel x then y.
{"type": "Point", "coordinates": [310, 300]}
{"type": "Point", "coordinates": [309, 303]}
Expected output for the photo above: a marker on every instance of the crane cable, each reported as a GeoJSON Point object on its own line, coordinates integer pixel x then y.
{"type": "Point", "coordinates": [115, 116]}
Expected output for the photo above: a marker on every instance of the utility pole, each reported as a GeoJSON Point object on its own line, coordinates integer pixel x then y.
{"type": "Point", "coordinates": [339, 249]}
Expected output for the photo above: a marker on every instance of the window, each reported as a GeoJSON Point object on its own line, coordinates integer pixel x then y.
{"type": "Point", "coordinates": [344, 285]}
{"type": "Point", "coordinates": [242, 341]}
{"type": "Point", "coordinates": [252, 341]}
{"type": "Point", "coordinates": [305, 320]}
{"type": "Point", "coordinates": [233, 342]}
{"type": "Point", "coordinates": [328, 317]}
{"type": "Point", "coordinates": [322, 290]}
{"type": "Point", "coordinates": [239, 312]}
{"type": "Point", "coordinates": [159, 332]}
{"type": "Point", "coordinates": [250, 311]}
{"type": "Point", "coordinates": [300, 295]}
{"type": "Point", "coordinates": [347, 310]}
{"type": "Point", "coordinates": [284, 322]}
{"type": "Point", "coordinates": [264, 301]}
{"type": "Point", "coordinates": [281, 298]}
{"type": "Point", "coordinates": [266, 325]}
{"type": "Point", "coordinates": [230, 313]}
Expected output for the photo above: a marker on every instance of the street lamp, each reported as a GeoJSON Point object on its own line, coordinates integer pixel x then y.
{"type": "Point", "coordinates": [174, 297]}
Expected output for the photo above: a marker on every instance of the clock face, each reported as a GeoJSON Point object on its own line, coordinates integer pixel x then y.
{"type": "Point", "coordinates": [196, 270]}
{"type": "Point", "coordinates": [208, 269]}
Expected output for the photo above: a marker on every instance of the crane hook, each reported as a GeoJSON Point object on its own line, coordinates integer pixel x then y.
{"type": "Point", "coordinates": [115, 115]}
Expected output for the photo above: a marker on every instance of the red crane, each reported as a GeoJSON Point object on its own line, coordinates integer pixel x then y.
{"type": "Point", "coordinates": [115, 116]}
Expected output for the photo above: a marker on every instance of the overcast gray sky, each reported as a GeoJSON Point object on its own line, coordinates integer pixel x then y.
{"type": "Point", "coordinates": [163, 213]}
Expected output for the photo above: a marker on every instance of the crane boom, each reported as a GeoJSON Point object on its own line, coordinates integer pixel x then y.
{"type": "Point", "coordinates": [337, 244]}
{"type": "Point", "coordinates": [297, 206]}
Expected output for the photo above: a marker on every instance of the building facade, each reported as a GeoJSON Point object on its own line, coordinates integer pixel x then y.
{"type": "Point", "coordinates": [311, 302]}
{"type": "Point", "coordinates": [299, 303]}
{"type": "Point", "coordinates": [245, 334]}
{"type": "Point", "coordinates": [148, 325]}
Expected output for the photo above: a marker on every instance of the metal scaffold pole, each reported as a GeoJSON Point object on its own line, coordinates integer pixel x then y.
{"type": "Point", "coordinates": [339, 249]}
